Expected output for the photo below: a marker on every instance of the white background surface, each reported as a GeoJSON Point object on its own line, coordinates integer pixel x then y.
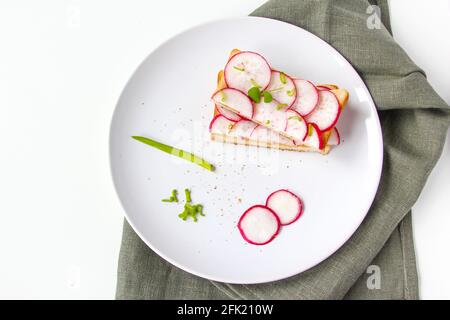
{"type": "Point", "coordinates": [63, 65]}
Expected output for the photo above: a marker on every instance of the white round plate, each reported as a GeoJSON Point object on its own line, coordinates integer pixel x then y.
{"type": "Point", "coordinates": [168, 99]}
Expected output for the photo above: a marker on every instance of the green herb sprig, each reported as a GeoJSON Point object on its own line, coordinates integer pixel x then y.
{"type": "Point", "coordinates": [267, 97]}
{"type": "Point", "coordinates": [255, 94]}
{"type": "Point", "coordinates": [176, 152]}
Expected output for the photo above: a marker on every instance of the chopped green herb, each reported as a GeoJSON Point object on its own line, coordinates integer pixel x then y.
{"type": "Point", "coordinates": [295, 118]}
{"type": "Point", "coordinates": [224, 97]}
{"type": "Point", "coordinates": [290, 93]}
{"type": "Point", "coordinates": [254, 83]}
{"type": "Point", "coordinates": [200, 210]}
{"type": "Point", "coordinates": [267, 97]}
{"type": "Point", "coordinates": [176, 152]}
{"type": "Point", "coordinates": [173, 197]}
{"type": "Point", "coordinates": [283, 78]}
{"type": "Point", "coordinates": [239, 69]}
{"type": "Point", "coordinates": [187, 192]}
{"type": "Point", "coordinates": [281, 106]}
{"type": "Point", "coordinates": [267, 122]}
{"type": "Point", "coordinates": [255, 94]}
{"type": "Point", "coordinates": [191, 211]}
{"type": "Point", "coordinates": [310, 130]}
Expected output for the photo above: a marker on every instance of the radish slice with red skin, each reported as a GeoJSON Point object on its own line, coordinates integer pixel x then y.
{"type": "Point", "coordinates": [270, 115]}
{"type": "Point", "coordinates": [230, 115]}
{"type": "Point", "coordinates": [314, 138]}
{"type": "Point", "coordinates": [235, 101]}
{"type": "Point", "coordinates": [282, 88]}
{"type": "Point", "coordinates": [259, 225]}
{"type": "Point", "coordinates": [286, 205]}
{"type": "Point", "coordinates": [323, 88]}
{"type": "Point", "coordinates": [220, 125]}
{"type": "Point", "coordinates": [262, 134]}
{"type": "Point", "coordinates": [307, 97]}
{"type": "Point", "coordinates": [243, 128]}
{"type": "Point", "coordinates": [335, 138]}
{"type": "Point", "coordinates": [296, 126]}
{"type": "Point", "coordinates": [245, 70]}
{"type": "Point", "coordinates": [327, 112]}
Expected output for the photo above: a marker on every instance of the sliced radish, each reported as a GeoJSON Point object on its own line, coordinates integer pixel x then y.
{"type": "Point", "coordinates": [307, 97]}
{"type": "Point", "coordinates": [243, 128]}
{"type": "Point", "coordinates": [235, 101]}
{"type": "Point", "coordinates": [221, 125]}
{"type": "Point", "coordinates": [335, 137]}
{"type": "Point", "coordinates": [259, 225]}
{"type": "Point", "coordinates": [262, 134]}
{"type": "Point", "coordinates": [286, 205]}
{"type": "Point", "coordinates": [327, 87]}
{"type": "Point", "coordinates": [270, 115]}
{"type": "Point", "coordinates": [282, 88]}
{"type": "Point", "coordinates": [326, 114]}
{"type": "Point", "coordinates": [296, 126]}
{"type": "Point", "coordinates": [230, 115]}
{"type": "Point", "coordinates": [245, 70]}
{"type": "Point", "coordinates": [314, 138]}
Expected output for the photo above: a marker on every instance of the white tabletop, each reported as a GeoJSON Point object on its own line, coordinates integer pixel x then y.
{"type": "Point", "coordinates": [62, 68]}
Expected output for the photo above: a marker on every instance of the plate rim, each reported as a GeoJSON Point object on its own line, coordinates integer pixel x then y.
{"type": "Point", "coordinates": [183, 267]}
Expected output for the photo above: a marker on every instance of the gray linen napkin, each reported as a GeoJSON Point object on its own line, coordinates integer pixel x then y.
{"type": "Point", "coordinates": [414, 122]}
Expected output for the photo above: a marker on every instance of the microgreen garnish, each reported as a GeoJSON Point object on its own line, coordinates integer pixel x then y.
{"type": "Point", "coordinates": [267, 97]}
{"type": "Point", "coordinates": [290, 93]}
{"type": "Point", "coordinates": [281, 106]}
{"type": "Point", "coordinates": [173, 197]}
{"type": "Point", "coordinates": [255, 94]}
{"type": "Point", "coordinates": [283, 78]}
{"type": "Point", "coordinates": [239, 69]}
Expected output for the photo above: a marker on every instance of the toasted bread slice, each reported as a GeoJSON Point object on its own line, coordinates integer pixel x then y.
{"type": "Point", "coordinates": [266, 144]}
{"type": "Point", "coordinates": [282, 142]}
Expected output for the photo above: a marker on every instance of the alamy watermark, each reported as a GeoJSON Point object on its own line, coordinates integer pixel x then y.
{"type": "Point", "coordinates": [374, 280]}
{"type": "Point", "coordinates": [374, 19]}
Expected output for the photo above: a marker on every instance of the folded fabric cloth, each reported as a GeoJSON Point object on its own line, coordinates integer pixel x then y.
{"type": "Point", "coordinates": [414, 122]}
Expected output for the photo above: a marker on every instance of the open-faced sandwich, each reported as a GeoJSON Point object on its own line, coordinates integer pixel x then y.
{"type": "Point", "coordinates": [256, 105]}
